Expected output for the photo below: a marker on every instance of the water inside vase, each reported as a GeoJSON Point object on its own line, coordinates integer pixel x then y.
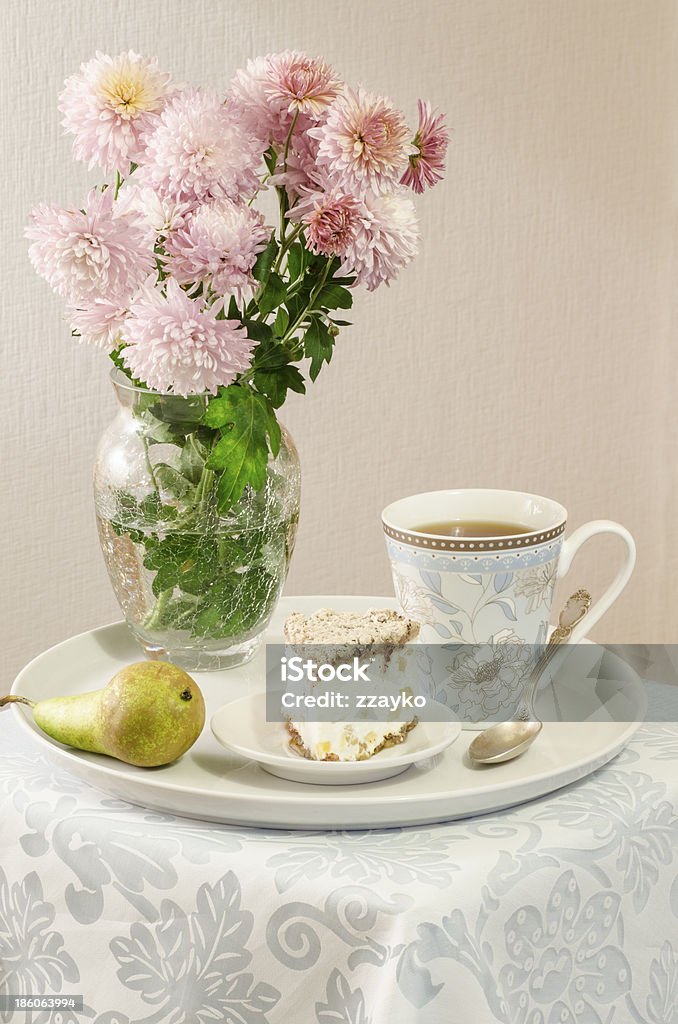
{"type": "Point", "coordinates": [201, 599]}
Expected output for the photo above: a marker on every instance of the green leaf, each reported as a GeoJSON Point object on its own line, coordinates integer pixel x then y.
{"type": "Point", "coordinates": [270, 159]}
{"type": "Point", "coordinates": [237, 602]}
{"type": "Point", "coordinates": [233, 311]}
{"type": "Point", "coordinates": [183, 413]}
{"type": "Point", "coordinates": [273, 376]}
{"type": "Point", "coordinates": [276, 383]}
{"type": "Point", "coordinates": [318, 346]}
{"type": "Point", "coordinates": [295, 261]}
{"type": "Point", "coordinates": [171, 480]}
{"type": "Point", "coordinates": [258, 331]}
{"type": "Point", "coordinates": [117, 360]}
{"type": "Point", "coordinates": [282, 322]}
{"type": "Point", "coordinates": [265, 260]}
{"type": "Point", "coordinates": [295, 304]}
{"type": "Point", "coordinates": [154, 430]}
{"type": "Point", "coordinates": [318, 263]}
{"type": "Point", "coordinates": [192, 459]}
{"type": "Point", "coordinates": [269, 355]}
{"type": "Point", "coordinates": [334, 296]}
{"type": "Point", "coordinates": [152, 510]}
{"type": "Point", "coordinates": [249, 427]}
{"type": "Point", "coordinates": [274, 293]}
{"type": "Point", "coordinates": [184, 561]}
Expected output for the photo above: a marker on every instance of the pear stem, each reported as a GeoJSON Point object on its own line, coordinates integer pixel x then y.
{"type": "Point", "coordinates": [12, 698]}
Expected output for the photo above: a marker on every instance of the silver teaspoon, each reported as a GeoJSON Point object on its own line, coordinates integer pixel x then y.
{"type": "Point", "coordinates": [506, 740]}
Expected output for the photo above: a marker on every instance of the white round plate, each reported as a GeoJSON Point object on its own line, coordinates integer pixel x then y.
{"type": "Point", "coordinates": [241, 727]}
{"type": "Point", "coordinates": [209, 782]}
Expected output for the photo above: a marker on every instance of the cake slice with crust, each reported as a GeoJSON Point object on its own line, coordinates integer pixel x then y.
{"type": "Point", "coordinates": [376, 626]}
{"type": "Point", "coordinates": [336, 637]}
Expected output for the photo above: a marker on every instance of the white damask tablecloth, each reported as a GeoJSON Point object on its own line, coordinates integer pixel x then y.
{"type": "Point", "coordinates": [561, 910]}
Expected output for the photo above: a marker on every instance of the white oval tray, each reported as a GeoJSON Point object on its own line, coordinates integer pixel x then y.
{"type": "Point", "coordinates": [210, 783]}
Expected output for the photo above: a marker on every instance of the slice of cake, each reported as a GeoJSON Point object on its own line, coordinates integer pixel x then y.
{"type": "Point", "coordinates": [377, 626]}
{"type": "Point", "coordinates": [345, 741]}
{"type": "Point", "coordinates": [338, 637]}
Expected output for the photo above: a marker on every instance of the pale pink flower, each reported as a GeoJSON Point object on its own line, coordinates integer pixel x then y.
{"type": "Point", "coordinates": [199, 149]}
{"type": "Point", "coordinates": [302, 172]}
{"type": "Point", "coordinates": [427, 165]}
{"type": "Point", "coordinates": [100, 323]}
{"type": "Point", "coordinates": [333, 220]}
{"type": "Point", "coordinates": [387, 239]}
{"type": "Point", "coordinates": [364, 143]}
{"type": "Point", "coordinates": [270, 90]}
{"type": "Point", "coordinates": [159, 214]}
{"type": "Point", "coordinates": [173, 344]}
{"type": "Point", "coordinates": [109, 105]}
{"type": "Point", "coordinates": [266, 120]}
{"type": "Point", "coordinates": [221, 241]}
{"type": "Point", "coordinates": [301, 83]}
{"type": "Point", "coordinates": [91, 253]}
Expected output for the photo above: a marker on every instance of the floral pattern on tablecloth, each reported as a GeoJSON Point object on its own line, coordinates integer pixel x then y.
{"type": "Point", "coordinates": [561, 910]}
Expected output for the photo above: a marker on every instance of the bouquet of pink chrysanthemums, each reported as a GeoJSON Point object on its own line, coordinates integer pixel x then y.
{"type": "Point", "coordinates": [170, 267]}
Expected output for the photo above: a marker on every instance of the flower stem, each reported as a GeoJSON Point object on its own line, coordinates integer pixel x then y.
{"type": "Point", "coordinates": [284, 248]}
{"type": "Point", "coordinates": [309, 306]}
{"type": "Point", "coordinates": [263, 182]}
{"type": "Point", "coordinates": [204, 488]}
{"type": "Point", "coordinates": [289, 138]}
{"type": "Point", "coordinates": [149, 464]}
{"type": "Point", "coordinates": [282, 195]}
{"type": "Point", "coordinates": [118, 182]}
{"type": "Point", "coordinates": [155, 615]}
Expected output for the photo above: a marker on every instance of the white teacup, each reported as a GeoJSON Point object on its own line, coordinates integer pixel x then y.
{"type": "Point", "coordinates": [489, 590]}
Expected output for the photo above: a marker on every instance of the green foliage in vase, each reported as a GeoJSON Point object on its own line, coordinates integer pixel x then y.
{"type": "Point", "coordinates": [212, 575]}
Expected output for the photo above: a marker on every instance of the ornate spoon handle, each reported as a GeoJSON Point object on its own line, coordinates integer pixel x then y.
{"type": "Point", "coordinates": [574, 611]}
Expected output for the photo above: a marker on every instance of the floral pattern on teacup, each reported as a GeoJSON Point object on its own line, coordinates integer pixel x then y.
{"type": "Point", "coordinates": [412, 598]}
{"type": "Point", "coordinates": [487, 678]}
{"type": "Point", "coordinates": [537, 585]}
{"type": "Point", "coordinates": [502, 602]}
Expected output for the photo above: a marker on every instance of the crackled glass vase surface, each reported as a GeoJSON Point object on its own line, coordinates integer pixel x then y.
{"type": "Point", "coordinates": [195, 586]}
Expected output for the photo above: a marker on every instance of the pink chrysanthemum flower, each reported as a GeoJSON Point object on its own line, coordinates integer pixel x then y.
{"type": "Point", "coordinates": [302, 173]}
{"type": "Point", "coordinates": [333, 220]}
{"type": "Point", "coordinates": [200, 150]}
{"type": "Point", "coordinates": [270, 90]}
{"type": "Point", "coordinates": [159, 215]}
{"type": "Point", "coordinates": [175, 345]}
{"type": "Point", "coordinates": [89, 254]}
{"type": "Point", "coordinates": [387, 239]}
{"type": "Point", "coordinates": [109, 106]}
{"type": "Point", "coordinates": [301, 83]}
{"type": "Point", "coordinates": [260, 116]}
{"type": "Point", "coordinates": [426, 167]}
{"type": "Point", "coordinates": [364, 143]}
{"type": "Point", "coordinates": [221, 240]}
{"type": "Point", "coordinates": [100, 323]}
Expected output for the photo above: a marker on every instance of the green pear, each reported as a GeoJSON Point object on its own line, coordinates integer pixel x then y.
{"type": "Point", "coordinates": [148, 715]}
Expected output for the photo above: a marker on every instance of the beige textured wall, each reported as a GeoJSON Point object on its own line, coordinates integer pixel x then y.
{"type": "Point", "coordinates": [530, 346]}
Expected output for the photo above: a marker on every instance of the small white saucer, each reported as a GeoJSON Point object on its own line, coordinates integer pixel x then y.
{"type": "Point", "coordinates": [242, 728]}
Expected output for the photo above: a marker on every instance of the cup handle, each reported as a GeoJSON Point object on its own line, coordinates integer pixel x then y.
{"type": "Point", "coordinates": [569, 550]}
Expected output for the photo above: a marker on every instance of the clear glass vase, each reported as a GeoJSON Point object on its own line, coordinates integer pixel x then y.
{"type": "Point", "coordinates": [196, 587]}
